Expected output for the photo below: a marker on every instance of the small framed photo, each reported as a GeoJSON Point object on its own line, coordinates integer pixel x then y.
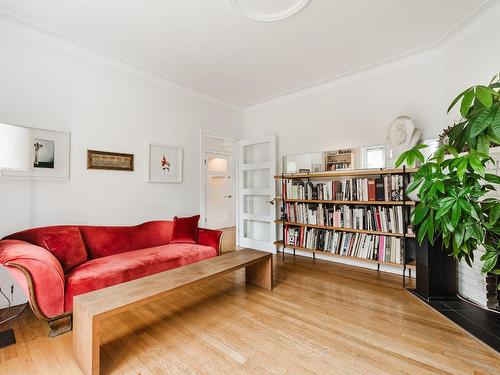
{"type": "Point", "coordinates": [164, 163]}
{"type": "Point", "coordinates": [50, 156]}
{"type": "Point", "coordinates": [114, 161]}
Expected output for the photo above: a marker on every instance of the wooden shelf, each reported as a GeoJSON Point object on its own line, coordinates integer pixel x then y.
{"type": "Point", "coordinates": [375, 203]}
{"type": "Point", "coordinates": [350, 173]}
{"type": "Point", "coordinates": [280, 243]}
{"type": "Point", "coordinates": [342, 229]}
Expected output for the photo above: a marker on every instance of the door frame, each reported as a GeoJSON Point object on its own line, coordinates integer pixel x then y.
{"type": "Point", "coordinates": [203, 151]}
{"type": "Point", "coordinates": [230, 156]}
{"type": "Point", "coordinates": [272, 139]}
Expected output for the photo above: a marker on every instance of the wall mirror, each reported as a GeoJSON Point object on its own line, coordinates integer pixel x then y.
{"type": "Point", "coordinates": [362, 157]}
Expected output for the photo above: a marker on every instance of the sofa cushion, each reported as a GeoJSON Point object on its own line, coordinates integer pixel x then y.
{"type": "Point", "coordinates": [119, 268]}
{"type": "Point", "coordinates": [102, 241]}
{"type": "Point", "coordinates": [67, 246]}
{"type": "Point", "coordinates": [63, 241]}
{"type": "Point", "coordinates": [151, 234]}
{"type": "Point", "coordinates": [185, 229]}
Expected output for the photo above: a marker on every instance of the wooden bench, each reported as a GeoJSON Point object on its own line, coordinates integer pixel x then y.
{"type": "Point", "coordinates": [90, 308]}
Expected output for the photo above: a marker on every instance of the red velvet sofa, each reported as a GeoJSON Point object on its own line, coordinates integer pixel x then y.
{"type": "Point", "coordinates": [54, 264]}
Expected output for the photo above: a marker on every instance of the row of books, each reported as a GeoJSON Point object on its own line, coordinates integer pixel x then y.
{"type": "Point", "coordinates": [386, 188]}
{"type": "Point", "coordinates": [376, 218]}
{"type": "Point", "coordinates": [359, 245]}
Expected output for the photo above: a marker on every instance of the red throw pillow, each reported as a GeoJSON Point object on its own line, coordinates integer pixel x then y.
{"type": "Point", "coordinates": [185, 229]}
{"type": "Point", "coordinates": [66, 244]}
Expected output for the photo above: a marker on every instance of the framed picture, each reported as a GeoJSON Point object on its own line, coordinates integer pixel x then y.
{"type": "Point", "coordinates": [165, 163]}
{"type": "Point", "coordinates": [50, 156]}
{"type": "Point", "coordinates": [114, 161]}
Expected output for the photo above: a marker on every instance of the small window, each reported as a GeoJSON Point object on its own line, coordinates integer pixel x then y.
{"type": "Point", "coordinates": [374, 157]}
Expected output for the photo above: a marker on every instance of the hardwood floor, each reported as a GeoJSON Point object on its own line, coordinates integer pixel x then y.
{"type": "Point", "coordinates": [321, 318]}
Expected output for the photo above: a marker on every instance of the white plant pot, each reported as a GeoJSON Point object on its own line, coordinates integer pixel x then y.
{"type": "Point", "coordinates": [414, 194]}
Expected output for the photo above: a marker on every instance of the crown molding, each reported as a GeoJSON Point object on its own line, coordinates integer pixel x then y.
{"type": "Point", "coordinates": [474, 22]}
{"type": "Point", "coordinates": [18, 26]}
{"type": "Point", "coordinates": [470, 24]}
{"type": "Point", "coordinates": [356, 75]}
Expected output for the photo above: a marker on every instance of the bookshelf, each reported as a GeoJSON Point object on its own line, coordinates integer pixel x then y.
{"type": "Point", "coordinates": [310, 202]}
{"type": "Point", "coordinates": [339, 160]}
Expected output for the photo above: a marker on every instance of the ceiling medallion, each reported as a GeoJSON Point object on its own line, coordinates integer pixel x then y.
{"type": "Point", "coordinates": [270, 10]}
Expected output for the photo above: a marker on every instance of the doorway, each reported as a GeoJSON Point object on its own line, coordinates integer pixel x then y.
{"type": "Point", "coordinates": [219, 190]}
{"type": "Point", "coordinates": [257, 211]}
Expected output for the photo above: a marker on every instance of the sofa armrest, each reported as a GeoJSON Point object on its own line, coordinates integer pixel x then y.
{"type": "Point", "coordinates": [38, 273]}
{"type": "Point", "coordinates": [210, 237]}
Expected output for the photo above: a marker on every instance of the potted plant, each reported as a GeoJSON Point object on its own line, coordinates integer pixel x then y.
{"type": "Point", "coordinates": [455, 212]}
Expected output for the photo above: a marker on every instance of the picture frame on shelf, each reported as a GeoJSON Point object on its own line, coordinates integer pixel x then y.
{"type": "Point", "coordinates": [50, 155]}
{"type": "Point", "coordinates": [164, 163]}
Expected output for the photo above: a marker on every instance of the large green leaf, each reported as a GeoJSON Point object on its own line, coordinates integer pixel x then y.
{"type": "Point", "coordinates": [478, 233]}
{"type": "Point", "coordinates": [492, 178]}
{"type": "Point", "coordinates": [458, 235]}
{"type": "Point", "coordinates": [448, 201]}
{"type": "Point", "coordinates": [455, 101]}
{"type": "Point", "coordinates": [467, 207]}
{"type": "Point", "coordinates": [420, 213]}
{"type": "Point", "coordinates": [422, 230]}
{"type": "Point", "coordinates": [430, 227]}
{"type": "Point", "coordinates": [490, 263]}
{"type": "Point", "coordinates": [440, 186]}
{"type": "Point", "coordinates": [456, 131]}
{"type": "Point", "coordinates": [484, 95]}
{"type": "Point", "coordinates": [495, 125]}
{"type": "Point", "coordinates": [481, 122]}
{"type": "Point", "coordinates": [456, 213]}
{"type": "Point", "coordinates": [483, 144]}
{"type": "Point", "coordinates": [476, 164]}
{"type": "Point", "coordinates": [467, 102]}
{"type": "Point", "coordinates": [443, 211]}
{"type": "Point", "coordinates": [462, 168]}
{"type": "Point", "coordinates": [401, 159]}
{"type": "Point", "coordinates": [494, 214]}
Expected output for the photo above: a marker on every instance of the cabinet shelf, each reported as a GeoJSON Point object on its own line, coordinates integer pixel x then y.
{"type": "Point", "coordinates": [321, 177]}
{"type": "Point", "coordinates": [347, 173]}
{"type": "Point", "coordinates": [343, 229]}
{"type": "Point", "coordinates": [280, 244]}
{"type": "Point", "coordinates": [361, 203]}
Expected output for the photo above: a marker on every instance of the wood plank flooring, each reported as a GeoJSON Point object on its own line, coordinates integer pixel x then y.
{"type": "Point", "coordinates": [321, 318]}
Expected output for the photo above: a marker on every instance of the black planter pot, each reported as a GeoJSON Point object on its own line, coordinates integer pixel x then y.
{"type": "Point", "coordinates": [436, 272]}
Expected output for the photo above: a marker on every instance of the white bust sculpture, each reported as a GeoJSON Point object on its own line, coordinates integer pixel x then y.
{"type": "Point", "coordinates": [402, 134]}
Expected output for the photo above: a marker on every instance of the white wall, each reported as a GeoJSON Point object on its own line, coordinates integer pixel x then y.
{"type": "Point", "coordinates": [356, 110]}
{"type": "Point", "coordinates": [105, 106]}
{"type": "Point", "coordinates": [472, 58]}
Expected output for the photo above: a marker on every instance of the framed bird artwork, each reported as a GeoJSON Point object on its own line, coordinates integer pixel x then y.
{"type": "Point", "coordinates": [164, 163]}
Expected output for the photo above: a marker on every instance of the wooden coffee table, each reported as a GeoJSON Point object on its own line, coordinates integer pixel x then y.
{"type": "Point", "coordinates": [90, 308]}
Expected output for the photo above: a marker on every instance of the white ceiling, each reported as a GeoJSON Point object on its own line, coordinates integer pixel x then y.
{"type": "Point", "coordinates": [209, 45]}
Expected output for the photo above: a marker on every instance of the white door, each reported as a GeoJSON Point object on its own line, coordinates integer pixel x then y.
{"type": "Point", "coordinates": [256, 210]}
{"type": "Point", "coordinates": [219, 201]}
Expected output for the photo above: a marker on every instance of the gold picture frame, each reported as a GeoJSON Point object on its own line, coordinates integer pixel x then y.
{"type": "Point", "coordinates": [114, 161]}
